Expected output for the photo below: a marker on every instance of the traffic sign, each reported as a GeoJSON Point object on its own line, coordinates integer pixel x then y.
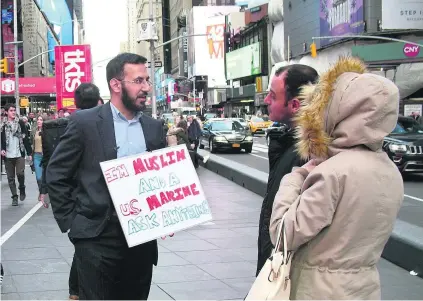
{"type": "Point", "coordinates": [157, 64]}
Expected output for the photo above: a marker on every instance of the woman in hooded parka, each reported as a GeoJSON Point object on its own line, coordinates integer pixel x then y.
{"type": "Point", "coordinates": [341, 206]}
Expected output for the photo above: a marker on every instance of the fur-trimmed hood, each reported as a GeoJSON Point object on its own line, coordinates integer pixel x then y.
{"type": "Point", "coordinates": [348, 107]}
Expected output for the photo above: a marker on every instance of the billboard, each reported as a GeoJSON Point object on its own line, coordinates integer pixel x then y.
{"type": "Point", "coordinates": [73, 67]}
{"type": "Point", "coordinates": [340, 18]}
{"type": "Point", "coordinates": [183, 54]}
{"type": "Point", "coordinates": [29, 85]}
{"type": "Point", "coordinates": [7, 34]}
{"type": "Point", "coordinates": [60, 14]}
{"type": "Point", "coordinates": [405, 14]}
{"type": "Point", "coordinates": [243, 62]}
{"type": "Point", "coordinates": [206, 56]}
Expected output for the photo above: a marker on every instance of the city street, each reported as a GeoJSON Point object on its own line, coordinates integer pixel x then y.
{"type": "Point", "coordinates": [411, 211]}
{"type": "Point", "coordinates": [214, 261]}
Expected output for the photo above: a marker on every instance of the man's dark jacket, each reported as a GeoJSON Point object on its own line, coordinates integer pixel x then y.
{"type": "Point", "coordinates": [25, 139]}
{"type": "Point", "coordinates": [282, 158]}
{"type": "Point", "coordinates": [50, 135]}
{"type": "Point", "coordinates": [90, 139]}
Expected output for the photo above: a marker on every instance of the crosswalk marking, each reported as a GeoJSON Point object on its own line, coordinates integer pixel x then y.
{"type": "Point", "coordinates": [260, 148]}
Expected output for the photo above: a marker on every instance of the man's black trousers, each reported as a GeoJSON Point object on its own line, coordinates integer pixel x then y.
{"type": "Point", "coordinates": [109, 270]}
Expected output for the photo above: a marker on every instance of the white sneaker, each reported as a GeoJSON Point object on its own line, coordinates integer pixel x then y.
{"type": "Point", "coordinates": [205, 159]}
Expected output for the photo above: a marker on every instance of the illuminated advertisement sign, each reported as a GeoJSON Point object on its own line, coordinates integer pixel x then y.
{"type": "Point", "coordinates": [7, 33]}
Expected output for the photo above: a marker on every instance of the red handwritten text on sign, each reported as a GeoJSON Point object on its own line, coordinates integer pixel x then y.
{"type": "Point", "coordinates": [158, 162]}
{"type": "Point", "coordinates": [117, 172]}
{"type": "Point", "coordinates": [129, 208]}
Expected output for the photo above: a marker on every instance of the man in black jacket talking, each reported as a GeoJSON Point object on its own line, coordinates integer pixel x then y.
{"type": "Point", "coordinates": [283, 103]}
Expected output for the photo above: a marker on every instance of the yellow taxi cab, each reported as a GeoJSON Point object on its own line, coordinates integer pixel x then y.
{"type": "Point", "coordinates": [258, 125]}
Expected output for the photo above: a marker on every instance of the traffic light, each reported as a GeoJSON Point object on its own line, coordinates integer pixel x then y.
{"type": "Point", "coordinates": [313, 49]}
{"type": "Point", "coordinates": [4, 65]}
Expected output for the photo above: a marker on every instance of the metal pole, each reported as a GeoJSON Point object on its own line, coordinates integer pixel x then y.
{"type": "Point", "coordinates": [152, 67]}
{"type": "Point", "coordinates": [15, 39]}
{"type": "Point", "coordinates": [193, 90]}
{"type": "Point", "coordinates": [35, 56]}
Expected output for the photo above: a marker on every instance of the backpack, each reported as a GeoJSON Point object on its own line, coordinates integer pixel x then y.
{"type": "Point", "coordinates": [50, 134]}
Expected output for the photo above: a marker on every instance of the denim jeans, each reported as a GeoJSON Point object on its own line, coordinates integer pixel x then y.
{"type": "Point", "coordinates": [37, 165]}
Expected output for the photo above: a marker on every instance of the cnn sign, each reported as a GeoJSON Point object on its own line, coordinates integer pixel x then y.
{"type": "Point", "coordinates": [73, 67]}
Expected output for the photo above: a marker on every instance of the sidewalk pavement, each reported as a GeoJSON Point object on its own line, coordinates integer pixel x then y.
{"type": "Point", "coordinates": [215, 261]}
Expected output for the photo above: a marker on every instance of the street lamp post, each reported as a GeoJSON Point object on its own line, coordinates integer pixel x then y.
{"type": "Point", "coordinates": [16, 59]}
{"type": "Point", "coordinates": [15, 40]}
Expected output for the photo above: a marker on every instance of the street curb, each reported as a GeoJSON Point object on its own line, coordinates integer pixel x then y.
{"type": "Point", "coordinates": [404, 248]}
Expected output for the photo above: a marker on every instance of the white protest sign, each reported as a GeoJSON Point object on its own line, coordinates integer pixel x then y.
{"type": "Point", "coordinates": [156, 193]}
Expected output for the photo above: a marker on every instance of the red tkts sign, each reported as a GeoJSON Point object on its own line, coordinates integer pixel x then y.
{"type": "Point", "coordinates": [73, 67]}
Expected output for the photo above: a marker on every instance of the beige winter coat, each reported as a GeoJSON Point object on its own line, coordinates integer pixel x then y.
{"type": "Point", "coordinates": [341, 215]}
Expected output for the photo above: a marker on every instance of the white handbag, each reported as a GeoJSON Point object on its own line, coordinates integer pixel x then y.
{"type": "Point", "coordinates": [273, 281]}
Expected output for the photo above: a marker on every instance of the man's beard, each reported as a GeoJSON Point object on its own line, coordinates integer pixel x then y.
{"type": "Point", "coordinates": [130, 103]}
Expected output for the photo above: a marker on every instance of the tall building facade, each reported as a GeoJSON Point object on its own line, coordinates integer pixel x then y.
{"type": "Point", "coordinates": [179, 10]}
{"type": "Point", "coordinates": [132, 24]}
{"type": "Point", "coordinates": [78, 22]}
{"type": "Point", "coordinates": [34, 36]}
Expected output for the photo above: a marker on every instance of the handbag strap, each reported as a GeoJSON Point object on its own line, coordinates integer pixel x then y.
{"type": "Point", "coordinates": [281, 236]}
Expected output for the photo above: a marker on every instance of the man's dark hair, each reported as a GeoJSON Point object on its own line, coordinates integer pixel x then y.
{"type": "Point", "coordinates": [86, 96]}
{"type": "Point", "coordinates": [297, 75]}
{"type": "Point", "coordinates": [8, 106]}
{"type": "Point", "coordinates": [115, 67]}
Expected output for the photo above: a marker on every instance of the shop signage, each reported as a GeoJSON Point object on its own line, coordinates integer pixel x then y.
{"type": "Point", "coordinates": [410, 109]}
{"type": "Point", "coordinates": [404, 14]}
{"type": "Point", "coordinates": [73, 67]}
{"type": "Point", "coordinates": [411, 50]}
{"type": "Point", "coordinates": [183, 53]}
{"type": "Point", "coordinates": [340, 18]}
{"type": "Point", "coordinates": [395, 51]}
{"type": "Point", "coordinates": [29, 85]}
{"type": "Point", "coordinates": [243, 62]}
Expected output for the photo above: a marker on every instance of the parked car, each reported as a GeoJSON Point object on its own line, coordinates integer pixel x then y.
{"type": "Point", "coordinates": [258, 124]}
{"type": "Point", "coordinates": [274, 131]}
{"type": "Point", "coordinates": [405, 145]}
{"type": "Point", "coordinates": [225, 134]}
{"type": "Point", "coordinates": [208, 116]}
{"type": "Point", "coordinates": [243, 122]}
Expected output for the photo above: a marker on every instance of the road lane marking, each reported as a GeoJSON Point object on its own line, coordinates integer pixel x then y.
{"type": "Point", "coordinates": [261, 146]}
{"type": "Point", "coordinates": [413, 198]}
{"type": "Point", "coordinates": [20, 223]}
{"type": "Point", "coordinates": [258, 156]}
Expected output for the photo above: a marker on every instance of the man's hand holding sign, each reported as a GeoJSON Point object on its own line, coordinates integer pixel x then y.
{"type": "Point", "coordinates": [156, 194]}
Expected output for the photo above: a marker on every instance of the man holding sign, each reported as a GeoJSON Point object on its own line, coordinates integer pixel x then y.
{"type": "Point", "coordinates": [107, 268]}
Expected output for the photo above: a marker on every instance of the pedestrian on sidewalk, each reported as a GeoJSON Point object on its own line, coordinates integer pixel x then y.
{"type": "Point", "coordinates": [194, 134]}
{"type": "Point", "coordinates": [283, 104]}
{"type": "Point", "coordinates": [14, 144]}
{"type": "Point", "coordinates": [171, 138]}
{"type": "Point", "coordinates": [37, 150]}
{"type": "Point", "coordinates": [87, 96]}
{"type": "Point", "coordinates": [181, 133]}
{"type": "Point", "coordinates": [107, 268]}
{"type": "Point", "coordinates": [341, 205]}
